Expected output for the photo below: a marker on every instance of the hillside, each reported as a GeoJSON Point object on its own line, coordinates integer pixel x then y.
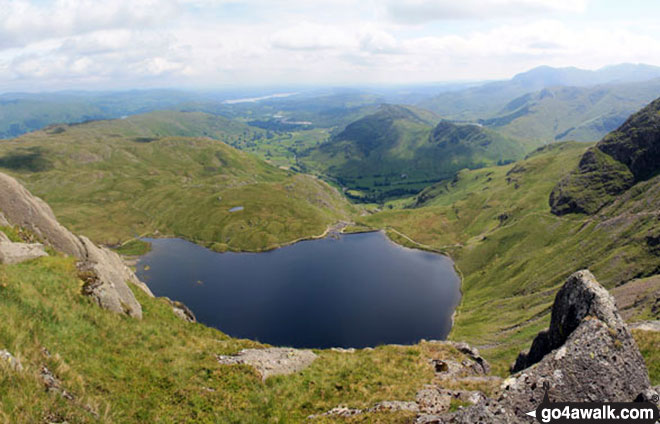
{"type": "Point", "coordinates": [627, 156]}
{"type": "Point", "coordinates": [514, 253]}
{"type": "Point", "coordinates": [114, 180]}
{"type": "Point", "coordinates": [572, 113]}
{"type": "Point", "coordinates": [397, 151]}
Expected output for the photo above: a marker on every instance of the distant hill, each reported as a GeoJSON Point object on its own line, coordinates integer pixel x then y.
{"type": "Point", "coordinates": [627, 156]}
{"type": "Point", "coordinates": [572, 113]}
{"type": "Point", "coordinates": [488, 100]}
{"type": "Point", "coordinates": [398, 151]}
{"type": "Point", "coordinates": [21, 113]}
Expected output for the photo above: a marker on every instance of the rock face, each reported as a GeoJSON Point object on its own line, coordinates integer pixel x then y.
{"type": "Point", "coordinates": [104, 273]}
{"type": "Point", "coordinates": [580, 297]}
{"type": "Point", "coordinates": [272, 361]}
{"type": "Point", "coordinates": [622, 158]}
{"type": "Point", "coordinates": [13, 253]}
{"type": "Point", "coordinates": [22, 209]}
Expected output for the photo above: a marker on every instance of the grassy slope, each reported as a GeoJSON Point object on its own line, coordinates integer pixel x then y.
{"type": "Point", "coordinates": [113, 180]}
{"type": "Point", "coordinates": [162, 369]}
{"type": "Point", "coordinates": [513, 253]}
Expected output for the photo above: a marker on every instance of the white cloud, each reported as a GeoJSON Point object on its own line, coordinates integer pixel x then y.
{"type": "Point", "coordinates": [420, 11]}
{"type": "Point", "coordinates": [23, 22]}
{"type": "Point", "coordinates": [77, 44]}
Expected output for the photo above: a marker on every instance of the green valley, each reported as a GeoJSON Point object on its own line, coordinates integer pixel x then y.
{"type": "Point", "coordinates": [397, 151]}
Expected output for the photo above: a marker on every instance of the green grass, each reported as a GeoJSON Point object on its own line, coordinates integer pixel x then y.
{"type": "Point", "coordinates": [103, 182]}
{"type": "Point", "coordinates": [649, 345]}
{"type": "Point", "coordinates": [133, 248]}
{"type": "Point", "coordinates": [163, 370]}
{"type": "Point", "coordinates": [513, 253]}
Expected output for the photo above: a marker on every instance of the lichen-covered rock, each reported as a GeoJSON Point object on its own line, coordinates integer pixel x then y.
{"type": "Point", "coordinates": [11, 360]}
{"type": "Point", "coordinates": [271, 361]}
{"type": "Point", "coordinates": [580, 297]}
{"type": "Point", "coordinates": [13, 253]}
{"type": "Point", "coordinates": [339, 411]}
{"type": "Point", "coordinates": [487, 412]}
{"type": "Point", "coordinates": [394, 405]}
{"type": "Point", "coordinates": [597, 363]}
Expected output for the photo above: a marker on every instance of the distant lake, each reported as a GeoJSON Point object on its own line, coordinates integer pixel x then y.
{"type": "Point", "coordinates": [354, 290]}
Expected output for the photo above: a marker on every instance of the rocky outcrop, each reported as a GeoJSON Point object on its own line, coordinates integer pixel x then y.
{"type": "Point", "coordinates": [181, 310]}
{"type": "Point", "coordinates": [105, 277]}
{"type": "Point", "coordinates": [103, 272]}
{"type": "Point", "coordinates": [271, 361]}
{"type": "Point", "coordinates": [13, 253]}
{"type": "Point", "coordinates": [587, 354]}
{"type": "Point", "coordinates": [597, 363]}
{"type": "Point", "coordinates": [622, 158]}
{"type": "Point", "coordinates": [580, 297]}
{"type": "Point", "coordinates": [22, 209]}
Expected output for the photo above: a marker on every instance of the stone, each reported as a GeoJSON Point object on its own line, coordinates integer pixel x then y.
{"type": "Point", "coordinates": [394, 405]}
{"type": "Point", "coordinates": [581, 296]}
{"type": "Point", "coordinates": [646, 326]}
{"type": "Point", "coordinates": [339, 411]}
{"type": "Point", "coordinates": [53, 384]}
{"type": "Point", "coordinates": [13, 253]}
{"type": "Point", "coordinates": [433, 399]}
{"type": "Point", "coordinates": [480, 366]}
{"type": "Point", "coordinates": [182, 311]}
{"type": "Point", "coordinates": [271, 361]}
{"type": "Point", "coordinates": [13, 362]}
{"type": "Point", "coordinates": [483, 413]}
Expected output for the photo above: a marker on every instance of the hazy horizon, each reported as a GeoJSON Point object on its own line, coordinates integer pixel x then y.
{"type": "Point", "coordinates": [218, 44]}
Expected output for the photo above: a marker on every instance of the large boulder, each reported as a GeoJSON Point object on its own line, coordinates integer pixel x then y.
{"type": "Point", "coordinates": [597, 363]}
{"type": "Point", "coordinates": [105, 276]}
{"type": "Point", "coordinates": [580, 297]}
{"type": "Point", "coordinates": [104, 273]}
{"type": "Point", "coordinates": [587, 354]}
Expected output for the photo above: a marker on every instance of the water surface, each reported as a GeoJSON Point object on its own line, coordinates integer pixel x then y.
{"type": "Point", "coordinates": [351, 291]}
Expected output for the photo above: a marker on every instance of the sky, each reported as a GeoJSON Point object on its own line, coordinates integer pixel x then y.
{"type": "Point", "coordinates": [121, 44]}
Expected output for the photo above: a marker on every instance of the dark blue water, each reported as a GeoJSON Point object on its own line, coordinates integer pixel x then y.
{"type": "Point", "coordinates": [353, 291]}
